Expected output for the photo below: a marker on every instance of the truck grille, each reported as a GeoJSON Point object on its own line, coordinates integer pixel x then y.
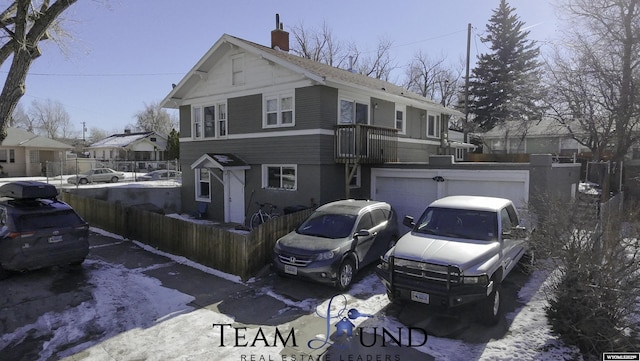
{"type": "Point", "coordinates": [294, 260]}
{"type": "Point", "coordinates": [428, 271]}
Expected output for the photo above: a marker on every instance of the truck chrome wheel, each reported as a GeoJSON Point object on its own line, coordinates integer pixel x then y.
{"type": "Point", "coordinates": [490, 308]}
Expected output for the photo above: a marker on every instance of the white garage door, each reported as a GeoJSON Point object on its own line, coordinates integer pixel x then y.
{"type": "Point", "coordinates": [409, 196]}
{"type": "Point", "coordinates": [409, 191]}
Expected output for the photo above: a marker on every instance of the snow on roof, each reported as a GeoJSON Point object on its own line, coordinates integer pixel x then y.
{"type": "Point", "coordinates": [120, 140]}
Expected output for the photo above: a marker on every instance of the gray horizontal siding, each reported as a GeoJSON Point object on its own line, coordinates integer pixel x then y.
{"type": "Point", "coordinates": [315, 107]}
{"type": "Point", "coordinates": [413, 152]}
{"type": "Point", "coordinates": [304, 149]}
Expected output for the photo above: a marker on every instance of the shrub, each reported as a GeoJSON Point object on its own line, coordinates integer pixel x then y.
{"type": "Point", "coordinates": [592, 303]}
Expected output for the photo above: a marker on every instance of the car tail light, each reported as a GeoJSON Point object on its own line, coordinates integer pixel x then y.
{"type": "Point", "coordinates": [13, 235]}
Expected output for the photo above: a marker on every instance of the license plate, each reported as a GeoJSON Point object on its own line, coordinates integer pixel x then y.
{"type": "Point", "coordinates": [292, 270]}
{"type": "Point", "coordinates": [55, 239]}
{"type": "Point", "coordinates": [420, 297]}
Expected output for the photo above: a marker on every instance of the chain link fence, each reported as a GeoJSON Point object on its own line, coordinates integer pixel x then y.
{"type": "Point", "coordinates": [71, 166]}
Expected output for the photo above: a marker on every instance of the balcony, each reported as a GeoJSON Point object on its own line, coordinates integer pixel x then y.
{"type": "Point", "coordinates": [365, 144]}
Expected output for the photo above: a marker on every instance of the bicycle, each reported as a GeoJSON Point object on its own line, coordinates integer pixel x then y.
{"type": "Point", "coordinates": [263, 215]}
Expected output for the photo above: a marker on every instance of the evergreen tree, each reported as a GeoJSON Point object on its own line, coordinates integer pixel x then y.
{"type": "Point", "coordinates": [173, 145]}
{"type": "Point", "coordinates": [505, 84]}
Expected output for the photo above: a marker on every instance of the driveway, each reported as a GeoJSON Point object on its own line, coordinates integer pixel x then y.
{"type": "Point", "coordinates": [130, 302]}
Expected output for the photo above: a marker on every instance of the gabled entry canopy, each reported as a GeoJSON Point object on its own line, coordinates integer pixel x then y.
{"type": "Point", "coordinates": [222, 161]}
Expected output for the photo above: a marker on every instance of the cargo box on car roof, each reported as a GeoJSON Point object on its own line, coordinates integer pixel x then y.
{"type": "Point", "coordinates": [28, 190]}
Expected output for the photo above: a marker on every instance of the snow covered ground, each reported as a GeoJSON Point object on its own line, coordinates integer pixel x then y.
{"type": "Point", "coordinates": [178, 331]}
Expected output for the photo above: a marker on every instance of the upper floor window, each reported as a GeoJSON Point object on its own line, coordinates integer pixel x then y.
{"type": "Point", "coordinates": [210, 121]}
{"type": "Point", "coordinates": [279, 110]}
{"type": "Point", "coordinates": [433, 126]}
{"type": "Point", "coordinates": [353, 112]}
{"type": "Point", "coordinates": [400, 122]}
{"type": "Point", "coordinates": [196, 125]}
{"type": "Point", "coordinates": [237, 70]}
{"type": "Point", "coordinates": [279, 177]}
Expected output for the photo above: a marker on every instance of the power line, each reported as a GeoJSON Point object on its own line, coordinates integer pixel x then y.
{"type": "Point", "coordinates": [99, 75]}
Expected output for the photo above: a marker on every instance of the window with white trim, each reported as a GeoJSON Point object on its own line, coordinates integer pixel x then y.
{"type": "Point", "coordinates": [237, 70]}
{"type": "Point", "coordinates": [459, 153]}
{"type": "Point", "coordinates": [433, 126]}
{"type": "Point", "coordinates": [221, 120]}
{"type": "Point", "coordinates": [203, 184]}
{"type": "Point", "coordinates": [353, 112]}
{"type": "Point", "coordinates": [3, 156]}
{"type": "Point", "coordinates": [278, 111]}
{"type": "Point", "coordinates": [196, 122]}
{"type": "Point", "coordinates": [399, 121]}
{"type": "Point", "coordinates": [283, 176]}
{"type": "Point", "coordinates": [210, 121]}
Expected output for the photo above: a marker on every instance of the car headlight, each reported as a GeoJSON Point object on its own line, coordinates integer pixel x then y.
{"type": "Point", "coordinates": [327, 255]}
{"type": "Point", "coordinates": [475, 280]}
{"type": "Point", "coordinates": [385, 260]}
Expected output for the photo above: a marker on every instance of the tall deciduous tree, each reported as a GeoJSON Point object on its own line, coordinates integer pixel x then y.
{"type": "Point", "coordinates": [505, 84]}
{"type": "Point", "coordinates": [24, 23]}
{"type": "Point", "coordinates": [51, 119]}
{"type": "Point", "coordinates": [433, 78]}
{"type": "Point", "coordinates": [594, 80]}
{"type": "Point", "coordinates": [322, 46]}
{"type": "Point", "coordinates": [155, 118]}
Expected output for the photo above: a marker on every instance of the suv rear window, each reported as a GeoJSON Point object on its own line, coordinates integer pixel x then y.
{"type": "Point", "coordinates": [61, 219]}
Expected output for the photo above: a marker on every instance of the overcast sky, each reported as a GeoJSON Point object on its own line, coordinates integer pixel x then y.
{"type": "Point", "coordinates": [125, 53]}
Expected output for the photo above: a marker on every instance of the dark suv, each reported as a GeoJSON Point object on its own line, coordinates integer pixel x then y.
{"type": "Point", "coordinates": [337, 240]}
{"type": "Point", "coordinates": [37, 230]}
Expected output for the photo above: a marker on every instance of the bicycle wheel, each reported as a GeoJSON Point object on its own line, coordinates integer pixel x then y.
{"type": "Point", "coordinates": [255, 221]}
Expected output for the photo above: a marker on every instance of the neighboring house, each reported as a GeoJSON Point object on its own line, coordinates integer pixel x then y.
{"type": "Point", "coordinates": [258, 124]}
{"type": "Point", "coordinates": [143, 147]}
{"type": "Point", "coordinates": [459, 147]}
{"type": "Point", "coordinates": [24, 154]}
{"type": "Point", "coordinates": [537, 137]}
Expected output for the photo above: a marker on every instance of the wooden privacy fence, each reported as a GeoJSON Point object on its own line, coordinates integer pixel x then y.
{"type": "Point", "coordinates": [237, 252]}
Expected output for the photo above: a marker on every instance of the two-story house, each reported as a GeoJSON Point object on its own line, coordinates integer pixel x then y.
{"type": "Point", "coordinates": [258, 124]}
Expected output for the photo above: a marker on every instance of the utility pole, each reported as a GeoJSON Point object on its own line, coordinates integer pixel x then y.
{"type": "Point", "coordinates": [84, 129]}
{"type": "Point", "coordinates": [465, 128]}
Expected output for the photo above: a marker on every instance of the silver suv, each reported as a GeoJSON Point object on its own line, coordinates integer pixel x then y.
{"type": "Point", "coordinates": [336, 241]}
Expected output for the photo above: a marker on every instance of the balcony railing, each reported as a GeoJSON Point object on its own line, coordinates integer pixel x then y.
{"type": "Point", "coordinates": [365, 144]}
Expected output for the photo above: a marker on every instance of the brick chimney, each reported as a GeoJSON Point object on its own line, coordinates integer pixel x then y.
{"type": "Point", "coordinates": [279, 37]}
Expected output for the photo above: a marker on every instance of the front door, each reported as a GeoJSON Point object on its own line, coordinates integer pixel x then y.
{"type": "Point", "coordinates": [234, 196]}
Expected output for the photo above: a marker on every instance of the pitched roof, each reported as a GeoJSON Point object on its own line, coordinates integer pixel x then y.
{"type": "Point", "coordinates": [17, 137]}
{"type": "Point", "coordinates": [120, 140]}
{"type": "Point", "coordinates": [319, 72]}
{"type": "Point", "coordinates": [541, 128]}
